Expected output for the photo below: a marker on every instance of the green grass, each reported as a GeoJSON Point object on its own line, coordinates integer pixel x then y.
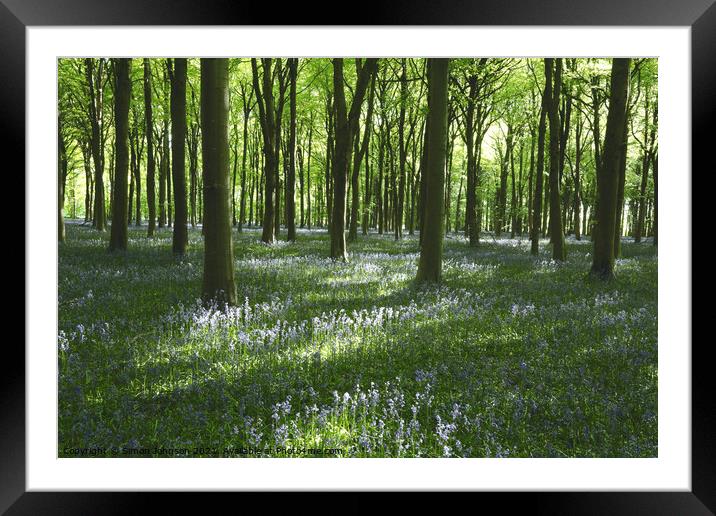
{"type": "Point", "coordinates": [512, 356]}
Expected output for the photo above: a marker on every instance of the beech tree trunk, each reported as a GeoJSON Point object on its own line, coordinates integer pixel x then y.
{"type": "Point", "coordinates": [264, 96]}
{"type": "Point", "coordinates": [362, 148]}
{"type": "Point", "coordinates": [603, 256]}
{"type": "Point", "coordinates": [346, 121]}
{"type": "Point", "coordinates": [291, 178]}
{"type": "Point", "coordinates": [242, 201]}
{"type": "Point", "coordinates": [149, 131]}
{"type": "Point", "coordinates": [61, 175]}
{"type": "Point", "coordinates": [539, 177]}
{"type": "Point", "coordinates": [430, 263]}
{"type": "Point", "coordinates": [559, 250]}
{"type": "Point", "coordinates": [95, 109]}
{"type": "Point", "coordinates": [178, 113]}
{"type": "Point", "coordinates": [122, 90]}
{"type": "Point", "coordinates": [218, 281]}
{"type": "Point", "coordinates": [656, 197]}
{"type": "Point", "coordinates": [308, 173]}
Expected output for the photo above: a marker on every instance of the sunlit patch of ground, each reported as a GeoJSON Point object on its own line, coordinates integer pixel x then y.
{"type": "Point", "coordinates": [511, 356]}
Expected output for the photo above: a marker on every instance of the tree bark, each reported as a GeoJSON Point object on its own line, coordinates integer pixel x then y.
{"type": "Point", "coordinates": [61, 175]}
{"type": "Point", "coordinates": [138, 176]}
{"type": "Point", "coordinates": [291, 179]}
{"type": "Point", "coordinates": [163, 178]}
{"type": "Point", "coordinates": [577, 180]}
{"type": "Point", "coordinates": [178, 113]}
{"type": "Point", "coordinates": [242, 201]}
{"type": "Point", "coordinates": [265, 100]}
{"type": "Point", "coordinates": [308, 172]}
{"type": "Point", "coordinates": [430, 263]}
{"type": "Point", "coordinates": [649, 142]}
{"type": "Point", "coordinates": [539, 178]}
{"type": "Point", "coordinates": [656, 197]}
{"type": "Point", "coordinates": [218, 281]}
{"type": "Point", "coordinates": [621, 182]}
{"type": "Point", "coordinates": [400, 193]}
{"type": "Point", "coordinates": [168, 175]}
{"type": "Point", "coordinates": [559, 250]}
{"type": "Point", "coordinates": [502, 191]}
{"type": "Point", "coordinates": [362, 148]}
{"type": "Point", "coordinates": [122, 90]}
{"type": "Point", "coordinates": [132, 168]}
{"type": "Point", "coordinates": [471, 216]}
{"type": "Point", "coordinates": [330, 150]}
{"type": "Point", "coordinates": [95, 111]}
{"type": "Point", "coordinates": [345, 129]}
{"type": "Point", "coordinates": [603, 256]}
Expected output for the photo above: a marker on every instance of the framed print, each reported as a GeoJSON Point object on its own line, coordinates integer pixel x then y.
{"type": "Point", "coordinates": [417, 252]}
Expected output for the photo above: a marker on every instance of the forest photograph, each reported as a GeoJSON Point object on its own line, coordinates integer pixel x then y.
{"type": "Point", "coordinates": [340, 257]}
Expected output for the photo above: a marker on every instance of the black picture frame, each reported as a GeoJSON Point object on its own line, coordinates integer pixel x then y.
{"type": "Point", "coordinates": [700, 15]}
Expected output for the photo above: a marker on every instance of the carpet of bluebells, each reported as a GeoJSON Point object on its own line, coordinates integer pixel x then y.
{"type": "Point", "coordinates": [511, 356]}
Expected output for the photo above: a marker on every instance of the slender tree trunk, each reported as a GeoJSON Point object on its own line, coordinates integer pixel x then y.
{"type": "Point", "coordinates": [430, 263]}
{"type": "Point", "coordinates": [242, 201]}
{"type": "Point", "coordinates": [400, 194]}
{"type": "Point", "coordinates": [345, 129]}
{"type": "Point", "coordinates": [277, 195]}
{"type": "Point", "coordinates": [308, 172]}
{"type": "Point", "coordinates": [471, 216]}
{"type": "Point", "coordinates": [264, 96]}
{"type": "Point", "coordinates": [178, 113]}
{"type": "Point", "coordinates": [583, 217]}
{"type": "Point", "coordinates": [193, 145]}
{"type": "Point", "coordinates": [361, 150]}
{"type": "Point", "coordinates": [340, 165]}
{"type": "Point", "coordinates": [122, 91]}
{"type": "Point", "coordinates": [365, 223]}
{"type": "Point", "coordinates": [163, 182]}
{"type": "Point", "coordinates": [132, 167]}
{"type": "Point", "coordinates": [111, 182]}
{"type": "Point", "coordinates": [539, 179]}
{"type": "Point", "coordinates": [457, 205]}
{"type": "Point", "coordinates": [233, 175]}
{"type": "Point", "coordinates": [517, 210]}
{"type": "Point", "coordinates": [291, 179]}
{"type": "Point", "coordinates": [61, 175]}
{"type": "Point", "coordinates": [330, 116]}
{"type": "Point", "coordinates": [149, 131]}
{"type": "Point", "coordinates": [656, 197]}
{"type": "Point", "coordinates": [138, 180]}
{"type": "Point", "coordinates": [502, 191]}
{"type": "Point", "coordinates": [96, 100]}
{"type": "Point", "coordinates": [639, 231]}
{"type": "Point", "coordinates": [577, 181]}
{"type": "Point", "coordinates": [168, 175]}
{"type": "Point", "coordinates": [278, 143]}
{"type": "Point", "coordinates": [88, 181]}
{"type": "Point", "coordinates": [301, 185]}
{"type": "Point", "coordinates": [218, 281]}
{"type": "Point", "coordinates": [559, 250]}
{"type": "Point", "coordinates": [252, 158]}
{"type": "Point", "coordinates": [448, 177]}
{"type": "Point", "coordinates": [379, 182]}
{"type": "Point", "coordinates": [603, 256]}
{"type": "Point", "coordinates": [621, 180]}
{"type": "Point", "coordinates": [530, 180]}
{"type": "Point", "coordinates": [596, 137]}
{"type": "Point", "coordinates": [193, 172]}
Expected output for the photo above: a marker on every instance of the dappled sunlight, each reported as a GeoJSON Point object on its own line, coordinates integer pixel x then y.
{"type": "Point", "coordinates": [493, 362]}
{"type": "Point", "coordinates": [372, 257]}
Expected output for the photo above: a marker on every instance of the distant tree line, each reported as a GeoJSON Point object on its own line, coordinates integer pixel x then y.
{"type": "Point", "coordinates": [530, 147]}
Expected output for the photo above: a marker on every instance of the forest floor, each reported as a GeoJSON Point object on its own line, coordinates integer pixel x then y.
{"type": "Point", "coordinates": [511, 356]}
